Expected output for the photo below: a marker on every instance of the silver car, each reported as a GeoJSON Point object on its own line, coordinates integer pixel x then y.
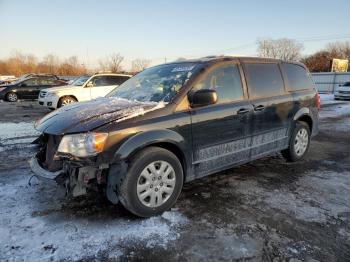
{"type": "Point", "coordinates": [343, 92]}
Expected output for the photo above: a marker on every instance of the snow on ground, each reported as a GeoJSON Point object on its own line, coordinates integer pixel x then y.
{"type": "Point", "coordinates": [34, 227]}
{"type": "Point", "coordinates": [327, 99]}
{"type": "Point", "coordinates": [16, 135]}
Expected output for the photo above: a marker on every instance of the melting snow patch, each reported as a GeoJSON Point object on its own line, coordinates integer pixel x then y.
{"type": "Point", "coordinates": [318, 196]}
{"type": "Point", "coordinates": [54, 236]}
{"type": "Point", "coordinates": [16, 135]}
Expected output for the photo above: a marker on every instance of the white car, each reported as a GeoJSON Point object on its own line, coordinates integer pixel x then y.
{"type": "Point", "coordinates": [343, 92]}
{"type": "Point", "coordinates": [84, 88]}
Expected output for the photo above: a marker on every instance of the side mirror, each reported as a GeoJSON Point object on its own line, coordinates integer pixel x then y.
{"type": "Point", "coordinates": [90, 84]}
{"type": "Point", "coordinates": [203, 97]}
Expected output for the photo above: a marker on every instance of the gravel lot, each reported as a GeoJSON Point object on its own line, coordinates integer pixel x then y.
{"type": "Point", "coordinates": [268, 210]}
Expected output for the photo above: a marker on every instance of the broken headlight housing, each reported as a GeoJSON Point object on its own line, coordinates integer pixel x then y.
{"type": "Point", "coordinates": [83, 145]}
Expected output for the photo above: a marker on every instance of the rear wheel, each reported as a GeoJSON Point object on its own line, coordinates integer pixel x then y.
{"type": "Point", "coordinates": [153, 182]}
{"type": "Point", "coordinates": [11, 97]}
{"type": "Point", "coordinates": [65, 101]}
{"type": "Point", "coordinates": [299, 142]}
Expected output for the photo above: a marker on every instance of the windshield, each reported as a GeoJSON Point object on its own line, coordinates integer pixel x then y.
{"type": "Point", "coordinates": [156, 84]}
{"type": "Point", "coordinates": [80, 80]}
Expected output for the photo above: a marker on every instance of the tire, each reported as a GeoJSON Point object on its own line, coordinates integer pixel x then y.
{"type": "Point", "coordinates": [65, 100]}
{"type": "Point", "coordinates": [142, 192]}
{"type": "Point", "coordinates": [11, 97]}
{"type": "Point", "coordinates": [299, 143]}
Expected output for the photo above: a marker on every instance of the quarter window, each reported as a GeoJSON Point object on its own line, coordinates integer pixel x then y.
{"type": "Point", "coordinates": [297, 77]}
{"type": "Point", "coordinates": [264, 80]}
{"type": "Point", "coordinates": [117, 80]}
{"type": "Point", "coordinates": [226, 81]}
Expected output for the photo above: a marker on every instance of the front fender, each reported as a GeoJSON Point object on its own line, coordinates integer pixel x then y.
{"type": "Point", "coordinates": [144, 139]}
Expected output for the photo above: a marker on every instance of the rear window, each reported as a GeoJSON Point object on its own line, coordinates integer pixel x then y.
{"type": "Point", "coordinates": [297, 77]}
{"type": "Point", "coordinates": [264, 80]}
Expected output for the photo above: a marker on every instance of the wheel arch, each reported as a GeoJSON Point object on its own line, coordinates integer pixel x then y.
{"type": "Point", "coordinates": [166, 139]}
{"type": "Point", "coordinates": [304, 115]}
{"type": "Point", "coordinates": [63, 96]}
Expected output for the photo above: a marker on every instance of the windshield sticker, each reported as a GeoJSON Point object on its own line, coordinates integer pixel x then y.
{"type": "Point", "coordinates": [182, 68]}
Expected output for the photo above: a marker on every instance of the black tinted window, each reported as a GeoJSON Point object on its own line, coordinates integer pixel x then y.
{"type": "Point", "coordinates": [117, 80]}
{"type": "Point", "coordinates": [47, 81]}
{"type": "Point", "coordinates": [100, 81]}
{"type": "Point", "coordinates": [226, 80]}
{"type": "Point", "coordinates": [297, 77]}
{"type": "Point", "coordinates": [31, 82]}
{"type": "Point", "coordinates": [264, 80]}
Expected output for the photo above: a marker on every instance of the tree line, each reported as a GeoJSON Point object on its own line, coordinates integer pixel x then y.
{"type": "Point", "coordinates": [289, 49]}
{"type": "Point", "coordinates": [20, 64]}
{"type": "Point", "coordinates": [284, 48]}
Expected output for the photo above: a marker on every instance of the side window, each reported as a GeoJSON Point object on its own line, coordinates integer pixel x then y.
{"type": "Point", "coordinates": [31, 82]}
{"type": "Point", "coordinates": [46, 81]}
{"type": "Point", "coordinates": [264, 80]}
{"type": "Point", "coordinates": [117, 80]}
{"type": "Point", "coordinates": [226, 81]}
{"type": "Point", "coordinates": [100, 81]}
{"type": "Point", "coordinates": [297, 77]}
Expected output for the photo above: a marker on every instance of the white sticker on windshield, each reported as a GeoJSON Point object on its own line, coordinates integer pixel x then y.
{"type": "Point", "coordinates": [182, 68]}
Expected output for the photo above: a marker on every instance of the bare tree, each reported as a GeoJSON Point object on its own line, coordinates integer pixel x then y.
{"type": "Point", "coordinates": [284, 48]}
{"type": "Point", "coordinates": [51, 62]}
{"type": "Point", "coordinates": [339, 49]}
{"type": "Point", "coordinates": [112, 63]}
{"type": "Point", "coordinates": [139, 65]}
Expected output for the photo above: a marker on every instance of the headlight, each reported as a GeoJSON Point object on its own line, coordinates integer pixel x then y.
{"type": "Point", "coordinates": [81, 145]}
{"type": "Point", "coordinates": [50, 94]}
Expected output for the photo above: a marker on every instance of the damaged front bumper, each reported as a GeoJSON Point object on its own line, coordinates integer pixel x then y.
{"type": "Point", "coordinates": [42, 173]}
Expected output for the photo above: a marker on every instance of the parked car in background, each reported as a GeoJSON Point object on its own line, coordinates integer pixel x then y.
{"type": "Point", "coordinates": [6, 79]}
{"type": "Point", "coordinates": [177, 122]}
{"type": "Point", "coordinates": [29, 86]}
{"type": "Point", "coordinates": [84, 88]}
{"type": "Point", "coordinates": [343, 92]}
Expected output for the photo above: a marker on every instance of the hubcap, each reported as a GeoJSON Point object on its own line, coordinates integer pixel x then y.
{"type": "Point", "coordinates": [301, 141]}
{"type": "Point", "coordinates": [12, 97]}
{"type": "Point", "coordinates": [156, 184]}
{"type": "Point", "coordinates": [67, 101]}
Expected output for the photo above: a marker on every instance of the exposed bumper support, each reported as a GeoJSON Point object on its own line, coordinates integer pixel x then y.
{"type": "Point", "coordinates": [41, 173]}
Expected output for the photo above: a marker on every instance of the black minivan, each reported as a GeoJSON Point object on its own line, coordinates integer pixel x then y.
{"type": "Point", "coordinates": [176, 122]}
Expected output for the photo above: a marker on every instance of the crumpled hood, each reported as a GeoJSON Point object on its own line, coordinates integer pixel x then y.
{"type": "Point", "coordinates": [86, 116]}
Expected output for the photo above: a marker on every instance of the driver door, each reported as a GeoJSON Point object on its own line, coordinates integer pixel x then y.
{"type": "Point", "coordinates": [28, 89]}
{"type": "Point", "coordinates": [221, 132]}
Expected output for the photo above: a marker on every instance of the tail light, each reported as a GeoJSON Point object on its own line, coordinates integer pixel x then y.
{"type": "Point", "coordinates": [318, 101]}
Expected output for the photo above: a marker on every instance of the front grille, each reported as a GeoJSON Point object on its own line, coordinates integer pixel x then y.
{"type": "Point", "coordinates": [48, 148]}
{"type": "Point", "coordinates": [344, 92]}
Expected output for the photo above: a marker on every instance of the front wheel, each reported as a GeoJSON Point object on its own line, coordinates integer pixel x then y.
{"type": "Point", "coordinates": [299, 143]}
{"type": "Point", "coordinates": [153, 182]}
{"type": "Point", "coordinates": [11, 97]}
{"type": "Point", "coordinates": [66, 100]}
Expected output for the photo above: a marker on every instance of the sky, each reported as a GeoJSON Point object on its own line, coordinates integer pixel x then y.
{"type": "Point", "coordinates": [165, 29]}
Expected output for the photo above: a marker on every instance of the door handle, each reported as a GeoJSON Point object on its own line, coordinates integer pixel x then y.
{"type": "Point", "coordinates": [242, 111]}
{"type": "Point", "coordinates": [259, 108]}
